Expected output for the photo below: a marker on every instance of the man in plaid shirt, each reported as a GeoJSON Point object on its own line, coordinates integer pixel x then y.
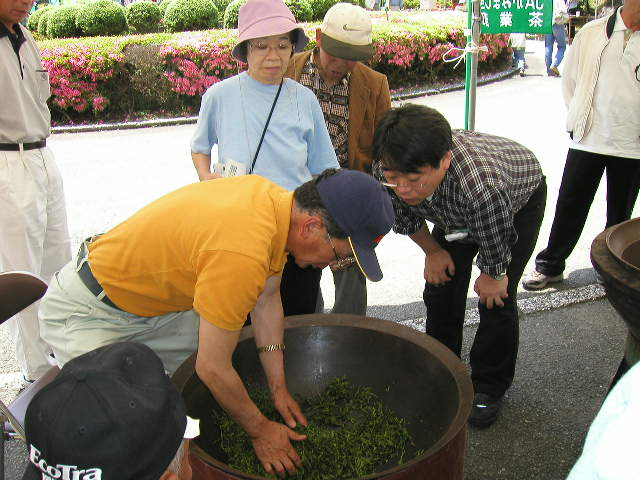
{"type": "Point", "coordinates": [485, 196]}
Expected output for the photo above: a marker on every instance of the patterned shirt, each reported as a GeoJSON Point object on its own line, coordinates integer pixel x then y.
{"type": "Point", "coordinates": [334, 102]}
{"type": "Point", "coordinates": [490, 179]}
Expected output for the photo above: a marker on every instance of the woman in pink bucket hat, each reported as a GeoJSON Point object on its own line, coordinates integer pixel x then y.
{"type": "Point", "coordinates": [266, 124]}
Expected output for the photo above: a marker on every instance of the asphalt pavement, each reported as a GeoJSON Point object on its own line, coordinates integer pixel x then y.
{"type": "Point", "coordinates": [571, 338]}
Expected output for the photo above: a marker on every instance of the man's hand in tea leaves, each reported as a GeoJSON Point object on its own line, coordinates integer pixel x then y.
{"type": "Point", "coordinates": [274, 450]}
{"type": "Point", "coordinates": [288, 408]}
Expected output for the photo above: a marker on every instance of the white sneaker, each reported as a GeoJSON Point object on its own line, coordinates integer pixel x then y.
{"type": "Point", "coordinates": [538, 281]}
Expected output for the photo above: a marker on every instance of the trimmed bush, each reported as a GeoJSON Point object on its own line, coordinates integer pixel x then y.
{"type": "Point", "coordinates": [411, 4]}
{"type": "Point", "coordinates": [163, 6]}
{"type": "Point", "coordinates": [61, 22]}
{"type": "Point", "coordinates": [143, 16]}
{"type": "Point", "coordinates": [185, 15]}
{"type": "Point", "coordinates": [301, 9]}
{"type": "Point", "coordinates": [231, 14]}
{"type": "Point", "coordinates": [34, 18]}
{"type": "Point", "coordinates": [221, 6]}
{"type": "Point", "coordinates": [44, 21]}
{"type": "Point", "coordinates": [103, 17]}
{"type": "Point", "coordinates": [320, 7]}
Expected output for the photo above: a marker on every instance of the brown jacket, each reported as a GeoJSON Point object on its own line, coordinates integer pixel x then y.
{"type": "Point", "coordinates": [369, 99]}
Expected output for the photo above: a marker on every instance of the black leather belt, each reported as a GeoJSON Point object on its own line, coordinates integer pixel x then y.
{"type": "Point", "coordinates": [86, 275]}
{"type": "Point", "coordinates": [15, 147]}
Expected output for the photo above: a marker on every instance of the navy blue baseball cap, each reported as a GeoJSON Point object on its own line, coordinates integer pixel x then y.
{"type": "Point", "coordinates": [362, 208]}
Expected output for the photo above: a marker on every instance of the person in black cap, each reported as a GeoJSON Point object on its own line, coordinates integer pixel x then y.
{"type": "Point", "coordinates": [111, 414]}
{"type": "Point", "coordinates": [182, 274]}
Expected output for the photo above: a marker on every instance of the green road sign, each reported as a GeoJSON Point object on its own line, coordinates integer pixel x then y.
{"type": "Point", "coordinates": [521, 16]}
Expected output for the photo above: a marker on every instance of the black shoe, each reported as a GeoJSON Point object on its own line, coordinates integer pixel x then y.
{"type": "Point", "coordinates": [485, 410]}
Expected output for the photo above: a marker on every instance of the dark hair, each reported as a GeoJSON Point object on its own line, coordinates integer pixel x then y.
{"type": "Point", "coordinates": [293, 36]}
{"type": "Point", "coordinates": [308, 200]}
{"type": "Point", "coordinates": [410, 137]}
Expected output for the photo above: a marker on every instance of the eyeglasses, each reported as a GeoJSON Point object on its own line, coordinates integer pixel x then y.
{"type": "Point", "coordinates": [410, 185]}
{"type": "Point", "coordinates": [261, 48]}
{"type": "Point", "coordinates": [341, 262]}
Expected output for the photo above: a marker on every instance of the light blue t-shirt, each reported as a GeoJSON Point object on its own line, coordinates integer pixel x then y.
{"type": "Point", "coordinates": [296, 146]}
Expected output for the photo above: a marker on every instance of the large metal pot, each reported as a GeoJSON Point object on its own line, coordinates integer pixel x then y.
{"type": "Point", "coordinates": [615, 254]}
{"type": "Point", "coordinates": [418, 377]}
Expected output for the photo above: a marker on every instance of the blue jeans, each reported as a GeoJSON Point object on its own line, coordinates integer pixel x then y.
{"type": "Point", "coordinates": [558, 36]}
{"type": "Point", "coordinates": [518, 58]}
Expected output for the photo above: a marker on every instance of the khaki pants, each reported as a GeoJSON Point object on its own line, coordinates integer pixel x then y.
{"type": "Point", "coordinates": [73, 321]}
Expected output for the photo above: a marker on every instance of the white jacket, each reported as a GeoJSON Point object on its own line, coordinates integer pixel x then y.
{"type": "Point", "coordinates": [580, 74]}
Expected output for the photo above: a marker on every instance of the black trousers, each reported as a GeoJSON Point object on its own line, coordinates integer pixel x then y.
{"type": "Point", "coordinates": [580, 180]}
{"type": "Point", "coordinates": [495, 347]}
{"type": "Point", "coordinates": [299, 288]}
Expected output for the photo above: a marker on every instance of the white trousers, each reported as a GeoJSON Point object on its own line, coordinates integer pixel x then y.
{"type": "Point", "coordinates": [34, 237]}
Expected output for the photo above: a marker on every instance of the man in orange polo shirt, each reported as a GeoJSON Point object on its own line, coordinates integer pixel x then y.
{"type": "Point", "coordinates": [182, 274]}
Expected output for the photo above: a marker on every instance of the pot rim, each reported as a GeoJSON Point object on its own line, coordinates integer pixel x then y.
{"type": "Point", "coordinates": [450, 361]}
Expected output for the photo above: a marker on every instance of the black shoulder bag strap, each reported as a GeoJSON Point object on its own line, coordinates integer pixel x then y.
{"type": "Point", "coordinates": [266, 125]}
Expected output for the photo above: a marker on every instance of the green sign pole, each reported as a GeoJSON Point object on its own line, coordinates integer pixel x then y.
{"type": "Point", "coordinates": [498, 16]}
{"type": "Point", "coordinates": [471, 73]}
{"type": "Point", "coordinates": [467, 75]}
{"type": "Point", "coordinates": [517, 16]}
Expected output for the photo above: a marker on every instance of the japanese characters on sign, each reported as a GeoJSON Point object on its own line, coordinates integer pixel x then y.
{"type": "Point", "coordinates": [521, 16]}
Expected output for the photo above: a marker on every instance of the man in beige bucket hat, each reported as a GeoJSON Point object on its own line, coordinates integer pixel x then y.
{"type": "Point", "coordinates": [353, 97]}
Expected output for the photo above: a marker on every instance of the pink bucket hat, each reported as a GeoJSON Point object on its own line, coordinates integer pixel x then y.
{"type": "Point", "coordinates": [263, 18]}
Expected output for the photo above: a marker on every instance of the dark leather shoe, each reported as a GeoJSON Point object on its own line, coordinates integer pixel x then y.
{"type": "Point", "coordinates": [485, 410]}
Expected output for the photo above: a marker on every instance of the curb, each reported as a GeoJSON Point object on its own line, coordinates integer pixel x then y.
{"type": "Point", "coordinates": [543, 302]}
{"type": "Point", "coordinates": [167, 122]}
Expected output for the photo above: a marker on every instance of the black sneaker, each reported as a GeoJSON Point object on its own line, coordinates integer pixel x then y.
{"type": "Point", "coordinates": [485, 410]}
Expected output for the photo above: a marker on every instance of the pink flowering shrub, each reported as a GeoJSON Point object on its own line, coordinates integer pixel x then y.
{"type": "Point", "coordinates": [137, 75]}
{"type": "Point", "coordinates": [416, 56]}
{"type": "Point", "coordinates": [78, 75]}
{"type": "Point", "coordinates": [197, 61]}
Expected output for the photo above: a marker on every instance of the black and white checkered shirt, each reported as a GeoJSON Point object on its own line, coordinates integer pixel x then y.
{"type": "Point", "coordinates": [490, 179]}
{"type": "Point", "coordinates": [334, 102]}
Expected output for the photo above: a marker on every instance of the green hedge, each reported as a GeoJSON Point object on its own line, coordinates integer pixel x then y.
{"type": "Point", "coordinates": [61, 22]}
{"type": "Point", "coordinates": [43, 21]}
{"type": "Point", "coordinates": [164, 5]}
{"type": "Point", "coordinates": [231, 14]}
{"type": "Point", "coordinates": [186, 15]}
{"type": "Point", "coordinates": [34, 18]}
{"type": "Point", "coordinates": [143, 16]}
{"type": "Point", "coordinates": [103, 17]}
{"type": "Point", "coordinates": [118, 77]}
{"type": "Point", "coordinates": [301, 9]}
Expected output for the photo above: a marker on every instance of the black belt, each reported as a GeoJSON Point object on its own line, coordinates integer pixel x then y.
{"type": "Point", "coordinates": [15, 147]}
{"type": "Point", "coordinates": [86, 275]}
